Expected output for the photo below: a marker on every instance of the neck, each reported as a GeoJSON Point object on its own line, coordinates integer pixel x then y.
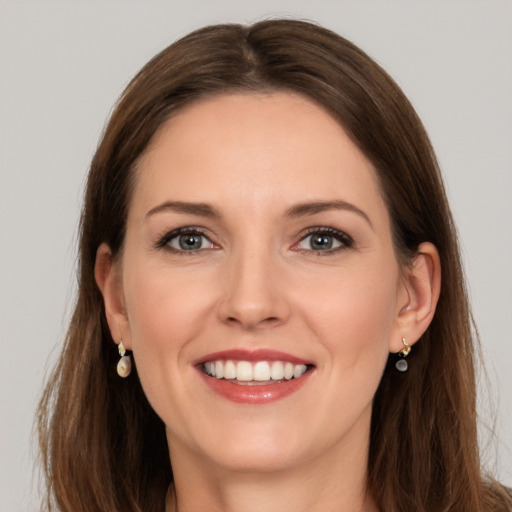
{"type": "Point", "coordinates": [338, 484]}
{"type": "Point", "coordinates": [256, 495]}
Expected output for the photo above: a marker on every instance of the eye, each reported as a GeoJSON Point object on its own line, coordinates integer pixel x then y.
{"type": "Point", "coordinates": [325, 240]}
{"type": "Point", "coordinates": [189, 242]}
{"type": "Point", "coordinates": [186, 240]}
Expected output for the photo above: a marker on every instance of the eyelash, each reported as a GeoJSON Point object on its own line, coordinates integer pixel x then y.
{"type": "Point", "coordinates": [344, 240]}
{"type": "Point", "coordinates": [163, 242]}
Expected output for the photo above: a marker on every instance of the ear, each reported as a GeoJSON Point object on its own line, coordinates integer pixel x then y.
{"type": "Point", "coordinates": [108, 275]}
{"type": "Point", "coordinates": [418, 296]}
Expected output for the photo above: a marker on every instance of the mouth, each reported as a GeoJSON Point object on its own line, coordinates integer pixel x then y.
{"type": "Point", "coordinates": [254, 373]}
{"type": "Point", "coordinates": [254, 377]}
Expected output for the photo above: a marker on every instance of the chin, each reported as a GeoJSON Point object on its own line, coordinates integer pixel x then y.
{"type": "Point", "coordinates": [245, 445]}
{"type": "Point", "coordinates": [265, 457]}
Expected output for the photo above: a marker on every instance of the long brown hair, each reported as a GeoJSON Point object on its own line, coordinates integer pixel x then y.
{"type": "Point", "coordinates": [104, 448]}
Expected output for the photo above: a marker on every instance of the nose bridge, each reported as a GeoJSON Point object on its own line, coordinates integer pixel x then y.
{"type": "Point", "coordinates": [252, 295]}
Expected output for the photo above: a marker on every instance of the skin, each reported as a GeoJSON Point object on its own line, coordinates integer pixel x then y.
{"type": "Point", "coordinates": [257, 282]}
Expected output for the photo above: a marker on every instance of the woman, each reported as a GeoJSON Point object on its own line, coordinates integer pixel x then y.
{"type": "Point", "coordinates": [262, 242]}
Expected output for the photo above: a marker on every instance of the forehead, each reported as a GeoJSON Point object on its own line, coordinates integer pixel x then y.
{"type": "Point", "coordinates": [254, 147]}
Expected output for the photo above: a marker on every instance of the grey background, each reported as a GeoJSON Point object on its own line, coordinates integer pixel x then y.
{"type": "Point", "coordinates": [62, 66]}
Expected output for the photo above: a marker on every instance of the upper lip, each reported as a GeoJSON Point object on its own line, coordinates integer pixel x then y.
{"type": "Point", "coordinates": [261, 354]}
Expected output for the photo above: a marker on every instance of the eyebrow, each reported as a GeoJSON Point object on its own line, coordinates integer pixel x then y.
{"type": "Point", "coordinates": [306, 209]}
{"type": "Point", "coordinates": [201, 209]}
{"type": "Point", "coordinates": [298, 210]}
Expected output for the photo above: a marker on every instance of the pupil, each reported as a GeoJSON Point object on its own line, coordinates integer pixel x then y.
{"type": "Point", "coordinates": [190, 242]}
{"type": "Point", "coordinates": [321, 242]}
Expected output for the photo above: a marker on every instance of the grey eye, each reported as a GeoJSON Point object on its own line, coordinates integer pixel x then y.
{"type": "Point", "coordinates": [190, 242]}
{"type": "Point", "coordinates": [319, 242]}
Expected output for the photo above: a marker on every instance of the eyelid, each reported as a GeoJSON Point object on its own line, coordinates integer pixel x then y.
{"type": "Point", "coordinates": [163, 241]}
{"type": "Point", "coordinates": [345, 240]}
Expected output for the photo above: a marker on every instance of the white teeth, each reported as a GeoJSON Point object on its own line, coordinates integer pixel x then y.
{"type": "Point", "coordinates": [243, 371]}
{"type": "Point", "coordinates": [260, 371]}
{"type": "Point", "coordinates": [299, 370]}
{"type": "Point", "coordinates": [229, 370]}
{"type": "Point", "coordinates": [219, 370]}
{"type": "Point", "coordinates": [277, 370]}
{"type": "Point", "coordinates": [210, 368]}
{"type": "Point", "coordinates": [288, 371]}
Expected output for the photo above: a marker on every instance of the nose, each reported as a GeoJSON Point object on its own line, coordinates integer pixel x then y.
{"type": "Point", "coordinates": [254, 292]}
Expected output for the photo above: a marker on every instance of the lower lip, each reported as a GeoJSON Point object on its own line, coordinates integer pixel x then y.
{"type": "Point", "coordinates": [254, 394]}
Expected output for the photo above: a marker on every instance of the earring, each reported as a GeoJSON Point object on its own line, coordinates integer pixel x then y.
{"type": "Point", "coordinates": [124, 366]}
{"type": "Point", "coordinates": [401, 365]}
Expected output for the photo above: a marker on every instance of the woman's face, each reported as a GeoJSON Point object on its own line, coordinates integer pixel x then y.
{"type": "Point", "coordinates": [258, 246]}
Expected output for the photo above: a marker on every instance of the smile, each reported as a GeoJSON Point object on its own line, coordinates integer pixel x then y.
{"type": "Point", "coordinates": [254, 377]}
{"type": "Point", "coordinates": [246, 372]}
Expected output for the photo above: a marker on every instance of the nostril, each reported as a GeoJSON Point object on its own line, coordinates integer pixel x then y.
{"type": "Point", "coordinates": [265, 322]}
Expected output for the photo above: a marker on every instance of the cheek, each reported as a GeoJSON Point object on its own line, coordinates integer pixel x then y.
{"type": "Point", "coordinates": [166, 311]}
{"type": "Point", "coordinates": [353, 313]}
{"type": "Point", "coordinates": [353, 320]}
{"type": "Point", "coordinates": [164, 308]}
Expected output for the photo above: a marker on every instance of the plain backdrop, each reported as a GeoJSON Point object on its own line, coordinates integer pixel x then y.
{"type": "Point", "coordinates": [62, 66]}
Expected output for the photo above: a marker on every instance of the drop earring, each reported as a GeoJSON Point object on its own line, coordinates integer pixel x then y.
{"type": "Point", "coordinates": [124, 366]}
{"type": "Point", "coordinates": [401, 365]}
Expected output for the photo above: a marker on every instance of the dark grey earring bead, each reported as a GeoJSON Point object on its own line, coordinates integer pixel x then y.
{"type": "Point", "coordinates": [401, 365]}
